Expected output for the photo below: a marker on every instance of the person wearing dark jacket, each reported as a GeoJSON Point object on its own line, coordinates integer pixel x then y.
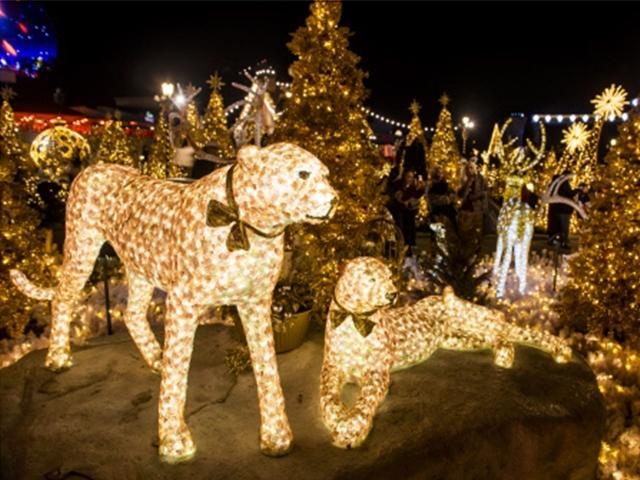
{"type": "Point", "coordinates": [442, 198]}
{"type": "Point", "coordinates": [559, 216]}
{"type": "Point", "coordinates": [405, 195]}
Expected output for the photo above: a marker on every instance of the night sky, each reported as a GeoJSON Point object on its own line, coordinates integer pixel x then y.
{"type": "Point", "coordinates": [491, 58]}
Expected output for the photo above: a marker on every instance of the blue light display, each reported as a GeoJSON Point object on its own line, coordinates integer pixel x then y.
{"type": "Point", "coordinates": [27, 43]}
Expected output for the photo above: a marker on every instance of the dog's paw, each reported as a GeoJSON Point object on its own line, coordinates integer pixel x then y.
{"type": "Point", "coordinates": [58, 363]}
{"type": "Point", "coordinates": [177, 448]}
{"type": "Point", "coordinates": [564, 355]}
{"type": "Point", "coordinates": [351, 432]}
{"type": "Point", "coordinates": [276, 441]}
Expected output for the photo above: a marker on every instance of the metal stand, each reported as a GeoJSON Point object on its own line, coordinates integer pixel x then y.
{"type": "Point", "coordinates": [107, 254]}
{"type": "Point", "coordinates": [556, 263]}
{"type": "Point", "coordinates": [107, 307]}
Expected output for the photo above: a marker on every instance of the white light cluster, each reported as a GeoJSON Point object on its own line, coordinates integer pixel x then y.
{"type": "Point", "coordinates": [400, 338]}
{"type": "Point", "coordinates": [217, 241]}
{"type": "Point", "coordinates": [572, 118]}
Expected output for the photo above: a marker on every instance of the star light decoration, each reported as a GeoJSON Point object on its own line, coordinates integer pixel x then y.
{"type": "Point", "coordinates": [611, 102]}
{"type": "Point", "coordinates": [216, 241]}
{"type": "Point", "coordinates": [365, 341]}
{"type": "Point", "coordinates": [575, 137]}
{"type": "Point", "coordinates": [215, 82]}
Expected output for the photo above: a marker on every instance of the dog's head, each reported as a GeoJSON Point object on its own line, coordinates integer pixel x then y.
{"type": "Point", "coordinates": [283, 184]}
{"type": "Point", "coordinates": [365, 284]}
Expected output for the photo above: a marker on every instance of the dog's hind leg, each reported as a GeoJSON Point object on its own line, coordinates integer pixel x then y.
{"type": "Point", "coordinates": [140, 293]}
{"type": "Point", "coordinates": [81, 248]}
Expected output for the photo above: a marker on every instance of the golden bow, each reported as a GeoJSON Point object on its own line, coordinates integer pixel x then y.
{"type": "Point", "coordinates": [360, 320]}
{"type": "Point", "coordinates": [221, 215]}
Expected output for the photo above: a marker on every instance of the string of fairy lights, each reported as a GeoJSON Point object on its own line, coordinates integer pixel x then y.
{"type": "Point", "coordinates": [545, 117]}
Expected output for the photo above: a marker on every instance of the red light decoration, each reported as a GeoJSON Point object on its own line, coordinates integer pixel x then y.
{"type": "Point", "coordinates": [23, 27]}
{"type": "Point", "coordinates": [9, 48]}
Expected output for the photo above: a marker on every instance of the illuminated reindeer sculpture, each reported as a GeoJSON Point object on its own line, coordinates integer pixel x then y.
{"type": "Point", "coordinates": [258, 111]}
{"type": "Point", "coordinates": [517, 215]}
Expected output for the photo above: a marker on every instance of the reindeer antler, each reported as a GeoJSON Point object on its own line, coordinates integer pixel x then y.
{"type": "Point", "coordinates": [551, 195]}
{"type": "Point", "coordinates": [539, 152]}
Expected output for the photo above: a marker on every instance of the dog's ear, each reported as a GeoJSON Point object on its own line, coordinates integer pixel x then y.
{"type": "Point", "coordinates": [248, 155]}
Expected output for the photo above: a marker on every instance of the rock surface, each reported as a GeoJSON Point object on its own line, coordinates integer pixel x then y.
{"type": "Point", "coordinates": [454, 417]}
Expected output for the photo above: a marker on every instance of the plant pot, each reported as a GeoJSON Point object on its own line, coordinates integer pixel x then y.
{"type": "Point", "coordinates": [291, 337]}
{"type": "Point", "coordinates": [294, 333]}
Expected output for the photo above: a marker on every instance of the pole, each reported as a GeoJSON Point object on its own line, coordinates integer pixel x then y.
{"type": "Point", "coordinates": [106, 296]}
{"type": "Point", "coordinates": [555, 267]}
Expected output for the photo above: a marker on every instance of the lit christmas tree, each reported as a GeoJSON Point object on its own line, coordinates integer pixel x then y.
{"type": "Point", "coordinates": [604, 286]}
{"type": "Point", "coordinates": [215, 128]}
{"type": "Point", "coordinates": [160, 162]}
{"type": "Point", "coordinates": [416, 134]}
{"type": "Point", "coordinates": [416, 131]}
{"type": "Point", "coordinates": [114, 145]}
{"type": "Point", "coordinates": [21, 242]}
{"type": "Point", "coordinates": [444, 148]}
{"type": "Point", "coordinates": [323, 115]}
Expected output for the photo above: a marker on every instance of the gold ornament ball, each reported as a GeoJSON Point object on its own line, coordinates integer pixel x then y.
{"type": "Point", "coordinates": [56, 146]}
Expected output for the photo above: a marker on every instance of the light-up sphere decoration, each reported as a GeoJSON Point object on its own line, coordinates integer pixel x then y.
{"type": "Point", "coordinates": [365, 342]}
{"type": "Point", "coordinates": [27, 44]}
{"type": "Point", "coordinates": [216, 241]}
{"type": "Point", "coordinates": [53, 149]}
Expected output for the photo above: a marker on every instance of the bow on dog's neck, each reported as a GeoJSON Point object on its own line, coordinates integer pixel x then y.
{"type": "Point", "coordinates": [220, 215]}
{"type": "Point", "coordinates": [361, 321]}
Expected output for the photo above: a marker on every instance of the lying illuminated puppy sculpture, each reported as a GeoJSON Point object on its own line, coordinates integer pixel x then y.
{"type": "Point", "coordinates": [364, 342]}
{"type": "Point", "coordinates": [217, 241]}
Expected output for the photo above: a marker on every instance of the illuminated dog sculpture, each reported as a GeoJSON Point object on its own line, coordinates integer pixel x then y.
{"type": "Point", "coordinates": [364, 342]}
{"type": "Point", "coordinates": [217, 241]}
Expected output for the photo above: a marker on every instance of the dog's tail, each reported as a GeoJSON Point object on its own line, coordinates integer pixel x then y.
{"type": "Point", "coordinates": [21, 281]}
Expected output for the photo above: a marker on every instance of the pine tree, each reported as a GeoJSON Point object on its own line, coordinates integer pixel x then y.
{"type": "Point", "coordinates": [444, 148]}
{"type": "Point", "coordinates": [21, 242]}
{"type": "Point", "coordinates": [324, 116]}
{"type": "Point", "coordinates": [160, 162]}
{"type": "Point", "coordinates": [416, 132]}
{"type": "Point", "coordinates": [604, 283]}
{"type": "Point", "coordinates": [215, 128]}
{"type": "Point", "coordinates": [114, 145]}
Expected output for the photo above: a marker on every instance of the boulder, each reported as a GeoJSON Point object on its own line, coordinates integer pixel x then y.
{"type": "Point", "coordinates": [456, 416]}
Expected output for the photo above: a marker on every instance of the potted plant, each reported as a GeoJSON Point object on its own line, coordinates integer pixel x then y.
{"type": "Point", "coordinates": [290, 315]}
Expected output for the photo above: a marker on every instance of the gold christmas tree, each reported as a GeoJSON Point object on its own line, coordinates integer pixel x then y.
{"type": "Point", "coordinates": [323, 115]}
{"type": "Point", "coordinates": [21, 242]}
{"type": "Point", "coordinates": [161, 154]}
{"type": "Point", "coordinates": [416, 131]}
{"type": "Point", "coordinates": [604, 286]}
{"type": "Point", "coordinates": [444, 148]}
{"type": "Point", "coordinates": [215, 128]}
{"type": "Point", "coordinates": [114, 145]}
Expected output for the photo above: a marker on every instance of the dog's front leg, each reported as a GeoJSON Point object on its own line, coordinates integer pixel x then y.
{"type": "Point", "coordinates": [176, 444]}
{"type": "Point", "coordinates": [354, 428]}
{"type": "Point", "coordinates": [331, 405]}
{"type": "Point", "coordinates": [275, 433]}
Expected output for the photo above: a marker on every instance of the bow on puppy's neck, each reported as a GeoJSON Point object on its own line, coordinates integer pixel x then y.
{"type": "Point", "coordinates": [361, 321]}
{"type": "Point", "coordinates": [221, 215]}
